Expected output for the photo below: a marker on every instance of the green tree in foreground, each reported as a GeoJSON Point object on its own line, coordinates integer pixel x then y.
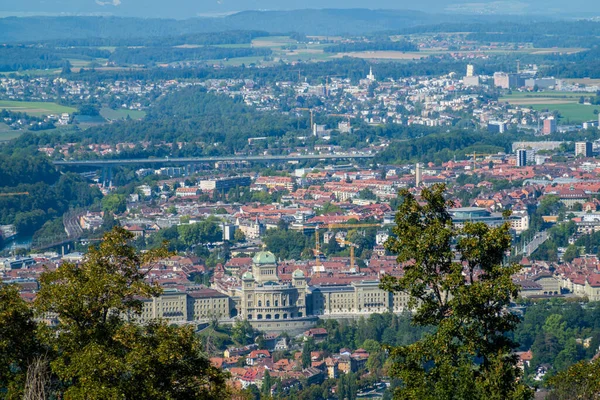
{"type": "Point", "coordinates": [18, 344]}
{"type": "Point", "coordinates": [98, 353]}
{"type": "Point", "coordinates": [580, 381]}
{"type": "Point", "coordinates": [458, 284]}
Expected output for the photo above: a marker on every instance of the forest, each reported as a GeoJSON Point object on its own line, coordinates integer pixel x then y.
{"type": "Point", "coordinates": [554, 330]}
{"type": "Point", "coordinates": [50, 194]}
{"type": "Point", "coordinates": [161, 54]}
{"type": "Point", "coordinates": [21, 57]}
{"type": "Point", "coordinates": [209, 38]}
{"type": "Point", "coordinates": [581, 28]}
{"type": "Point", "coordinates": [203, 119]}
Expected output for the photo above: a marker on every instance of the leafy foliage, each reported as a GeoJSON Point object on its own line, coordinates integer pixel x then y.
{"type": "Point", "coordinates": [287, 244]}
{"type": "Point", "coordinates": [50, 194]}
{"type": "Point", "coordinates": [469, 355]}
{"type": "Point", "coordinates": [18, 343]}
{"type": "Point", "coordinates": [581, 381]}
{"type": "Point", "coordinates": [98, 353]}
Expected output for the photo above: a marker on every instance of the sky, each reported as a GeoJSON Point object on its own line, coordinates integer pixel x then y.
{"type": "Point", "coordinates": [191, 8]}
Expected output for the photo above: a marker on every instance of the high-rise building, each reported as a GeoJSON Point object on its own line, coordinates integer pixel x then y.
{"type": "Point", "coordinates": [496, 126]}
{"type": "Point", "coordinates": [549, 126]}
{"type": "Point", "coordinates": [470, 70]}
{"type": "Point", "coordinates": [521, 158]}
{"type": "Point", "coordinates": [471, 79]}
{"type": "Point", "coordinates": [507, 81]}
{"type": "Point", "coordinates": [583, 149]}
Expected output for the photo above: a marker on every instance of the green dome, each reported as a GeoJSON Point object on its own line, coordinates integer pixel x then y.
{"type": "Point", "coordinates": [264, 257]}
{"type": "Point", "coordinates": [247, 275]}
{"type": "Point", "coordinates": [298, 274]}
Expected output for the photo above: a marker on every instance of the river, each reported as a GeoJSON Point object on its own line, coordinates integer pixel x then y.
{"type": "Point", "coordinates": [19, 242]}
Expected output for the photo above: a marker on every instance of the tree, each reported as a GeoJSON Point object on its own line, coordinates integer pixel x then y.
{"type": "Point", "coordinates": [18, 344]}
{"type": "Point", "coordinates": [329, 208]}
{"type": "Point", "coordinates": [239, 236]}
{"type": "Point", "coordinates": [109, 221]}
{"type": "Point", "coordinates": [114, 203]}
{"type": "Point", "coordinates": [571, 253]}
{"type": "Point", "coordinates": [306, 349]}
{"type": "Point", "coordinates": [580, 381]}
{"type": "Point", "coordinates": [252, 392]}
{"type": "Point", "coordinates": [100, 352]}
{"type": "Point", "coordinates": [266, 384]}
{"type": "Point", "coordinates": [469, 355]}
{"type": "Point", "coordinates": [172, 210]}
{"type": "Point", "coordinates": [242, 332]}
{"type": "Point", "coordinates": [367, 194]}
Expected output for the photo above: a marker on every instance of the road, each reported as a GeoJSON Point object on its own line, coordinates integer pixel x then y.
{"type": "Point", "coordinates": [537, 240]}
{"type": "Point", "coordinates": [195, 160]}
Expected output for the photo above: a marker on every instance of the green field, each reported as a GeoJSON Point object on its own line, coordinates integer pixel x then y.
{"type": "Point", "coordinates": [9, 135]}
{"type": "Point", "coordinates": [111, 114]}
{"type": "Point", "coordinates": [545, 94]}
{"type": "Point", "coordinates": [6, 133]}
{"type": "Point", "coordinates": [36, 108]}
{"type": "Point", "coordinates": [33, 72]}
{"type": "Point", "coordinates": [570, 113]}
{"type": "Point", "coordinates": [566, 103]}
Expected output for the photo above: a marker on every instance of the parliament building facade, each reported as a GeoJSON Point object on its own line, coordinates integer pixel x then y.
{"type": "Point", "coordinates": [270, 304]}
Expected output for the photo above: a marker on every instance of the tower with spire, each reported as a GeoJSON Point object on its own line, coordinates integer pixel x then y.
{"type": "Point", "coordinates": [371, 77]}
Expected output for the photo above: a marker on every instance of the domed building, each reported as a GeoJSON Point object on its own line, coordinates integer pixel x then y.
{"type": "Point", "coordinates": [269, 304]}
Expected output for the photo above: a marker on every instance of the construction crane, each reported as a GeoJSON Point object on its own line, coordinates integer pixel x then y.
{"type": "Point", "coordinates": [14, 194]}
{"type": "Point", "coordinates": [317, 252]}
{"type": "Point", "coordinates": [352, 246]}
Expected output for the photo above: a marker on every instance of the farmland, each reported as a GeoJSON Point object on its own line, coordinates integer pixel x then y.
{"type": "Point", "coordinates": [35, 108]}
{"type": "Point", "coordinates": [565, 103]}
{"type": "Point", "coordinates": [111, 114]}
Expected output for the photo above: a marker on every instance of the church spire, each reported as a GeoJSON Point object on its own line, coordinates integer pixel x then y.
{"type": "Point", "coordinates": [371, 77]}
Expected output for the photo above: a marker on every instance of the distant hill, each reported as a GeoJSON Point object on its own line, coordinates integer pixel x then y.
{"type": "Point", "coordinates": [316, 22]}
{"type": "Point", "coordinates": [194, 8]}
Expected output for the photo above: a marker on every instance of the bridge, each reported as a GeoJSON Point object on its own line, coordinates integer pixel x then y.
{"type": "Point", "coordinates": [535, 242]}
{"type": "Point", "coordinates": [198, 160]}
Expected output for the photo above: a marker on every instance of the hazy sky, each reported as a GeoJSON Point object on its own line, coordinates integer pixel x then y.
{"type": "Point", "coordinates": [190, 8]}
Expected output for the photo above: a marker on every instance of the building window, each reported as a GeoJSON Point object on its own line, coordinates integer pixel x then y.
{"type": "Point", "coordinates": [268, 303]}
{"type": "Point", "coordinates": [276, 303]}
{"type": "Point", "coordinates": [260, 303]}
{"type": "Point", "coordinates": [268, 316]}
{"type": "Point", "coordinates": [259, 316]}
{"type": "Point", "coordinates": [276, 316]}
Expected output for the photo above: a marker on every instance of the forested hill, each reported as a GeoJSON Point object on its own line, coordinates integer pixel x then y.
{"type": "Point", "coordinates": [315, 22]}
{"type": "Point", "coordinates": [50, 194]}
{"type": "Point", "coordinates": [212, 123]}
